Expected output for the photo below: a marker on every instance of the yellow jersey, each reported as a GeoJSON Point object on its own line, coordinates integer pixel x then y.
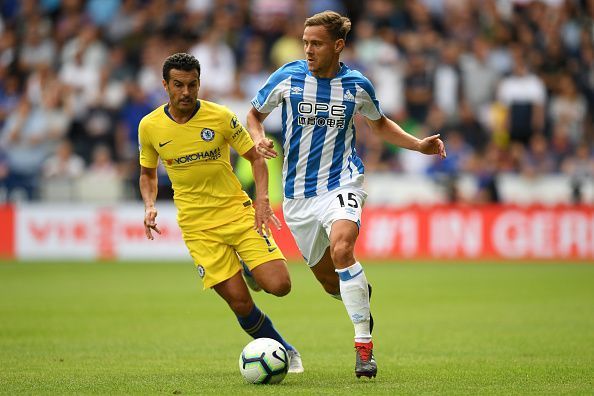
{"type": "Point", "coordinates": [196, 156]}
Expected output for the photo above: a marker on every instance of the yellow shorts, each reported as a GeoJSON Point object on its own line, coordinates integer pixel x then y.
{"type": "Point", "coordinates": [215, 250]}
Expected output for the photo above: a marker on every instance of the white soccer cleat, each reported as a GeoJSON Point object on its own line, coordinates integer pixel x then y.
{"type": "Point", "coordinates": [295, 364]}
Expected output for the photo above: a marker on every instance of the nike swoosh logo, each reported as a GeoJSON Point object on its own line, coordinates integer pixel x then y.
{"type": "Point", "coordinates": [270, 250]}
{"type": "Point", "coordinates": [163, 144]}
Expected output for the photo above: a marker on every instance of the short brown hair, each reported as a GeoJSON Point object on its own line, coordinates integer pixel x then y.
{"type": "Point", "coordinates": [180, 61]}
{"type": "Point", "coordinates": [337, 25]}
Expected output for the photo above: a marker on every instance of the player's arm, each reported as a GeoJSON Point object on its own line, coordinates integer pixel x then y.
{"type": "Point", "coordinates": [392, 133]}
{"type": "Point", "coordinates": [264, 213]}
{"type": "Point", "coordinates": [148, 191]}
{"type": "Point", "coordinates": [255, 126]}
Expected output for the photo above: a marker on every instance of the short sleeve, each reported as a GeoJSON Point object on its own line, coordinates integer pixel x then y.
{"type": "Point", "coordinates": [271, 94]}
{"type": "Point", "coordinates": [236, 135]}
{"type": "Point", "coordinates": [149, 158]}
{"type": "Point", "coordinates": [368, 104]}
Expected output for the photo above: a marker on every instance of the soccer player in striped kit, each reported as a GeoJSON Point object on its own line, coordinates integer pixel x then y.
{"type": "Point", "coordinates": [322, 174]}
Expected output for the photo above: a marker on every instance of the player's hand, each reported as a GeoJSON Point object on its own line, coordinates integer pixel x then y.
{"type": "Point", "coordinates": [265, 148]}
{"type": "Point", "coordinates": [150, 215]}
{"type": "Point", "coordinates": [264, 216]}
{"type": "Point", "coordinates": [433, 145]}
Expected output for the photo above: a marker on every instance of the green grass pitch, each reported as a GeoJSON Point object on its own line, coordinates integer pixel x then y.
{"type": "Point", "coordinates": [133, 328]}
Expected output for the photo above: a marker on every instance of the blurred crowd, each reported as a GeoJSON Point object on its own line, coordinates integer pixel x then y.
{"type": "Point", "coordinates": [509, 84]}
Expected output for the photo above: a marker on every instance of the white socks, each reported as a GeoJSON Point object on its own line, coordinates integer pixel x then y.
{"type": "Point", "coordinates": [355, 296]}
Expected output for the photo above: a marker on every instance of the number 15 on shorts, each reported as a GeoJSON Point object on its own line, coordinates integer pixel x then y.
{"type": "Point", "coordinates": [350, 204]}
{"type": "Point", "coordinates": [348, 199]}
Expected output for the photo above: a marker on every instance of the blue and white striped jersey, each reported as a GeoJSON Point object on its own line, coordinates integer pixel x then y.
{"type": "Point", "coordinates": [318, 135]}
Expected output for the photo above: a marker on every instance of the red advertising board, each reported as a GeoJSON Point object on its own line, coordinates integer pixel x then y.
{"type": "Point", "coordinates": [455, 232]}
{"type": "Point", "coordinates": [504, 232]}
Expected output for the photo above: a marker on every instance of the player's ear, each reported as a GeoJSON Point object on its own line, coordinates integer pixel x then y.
{"type": "Point", "coordinates": [339, 45]}
{"type": "Point", "coordinates": [164, 84]}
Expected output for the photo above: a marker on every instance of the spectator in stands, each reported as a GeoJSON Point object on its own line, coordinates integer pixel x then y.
{"type": "Point", "coordinates": [8, 48]}
{"type": "Point", "coordinates": [99, 128]}
{"type": "Point", "coordinates": [64, 163]}
{"type": "Point", "coordinates": [471, 129]}
{"type": "Point", "coordinates": [217, 61]}
{"type": "Point", "coordinates": [102, 162]}
{"type": "Point", "coordinates": [82, 80]}
{"type": "Point", "coordinates": [538, 160]}
{"type": "Point", "coordinates": [24, 139]}
{"type": "Point", "coordinates": [448, 81]}
{"type": "Point", "coordinates": [382, 61]}
{"type": "Point", "coordinates": [149, 73]}
{"type": "Point", "coordinates": [253, 73]}
{"type": "Point", "coordinates": [10, 95]}
{"type": "Point", "coordinates": [418, 87]}
{"type": "Point", "coordinates": [569, 108]}
{"type": "Point", "coordinates": [486, 171]}
{"type": "Point", "coordinates": [288, 47]}
{"type": "Point", "coordinates": [524, 96]}
{"type": "Point", "coordinates": [125, 23]}
{"type": "Point", "coordinates": [115, 54]}
{"type": "Point", "coordinates": [38, 47]}
{"type": "Point", "coordinates": [479, 78]}
{"type": "Point", "coordinates": [60, 173]}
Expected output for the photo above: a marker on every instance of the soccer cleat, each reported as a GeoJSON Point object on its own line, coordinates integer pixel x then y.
{"type": "Point", "coordinates": [295, 364]}
{"type": "Point", "coordinates": [365, 365]}
{"type": "Point", "coordinates": [249, 278]}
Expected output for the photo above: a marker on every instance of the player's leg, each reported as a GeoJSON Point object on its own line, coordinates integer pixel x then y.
{"type": "Point", "coordinates": [354, 290]}
{"type": "Point", "coordinates": [310, 221]}
{"type": "Point", "coordinates": [253, 321]}
{"type": "Point", "coordinates": [219, 268]}
{"type": "Point", "coordinates": [341, 217]}
{"type": "Point", "coordinates": [273, 277]}
{"type": "Point", "coordinates": [268, 268]}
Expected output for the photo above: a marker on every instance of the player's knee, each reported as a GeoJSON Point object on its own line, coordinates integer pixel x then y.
{"type": "Point", "coordinates": [342, 252]}
{"type": "Point", "coordinates": [280, 287]}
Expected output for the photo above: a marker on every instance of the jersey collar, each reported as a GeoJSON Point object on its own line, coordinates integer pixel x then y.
{"type": "Point", "coordinates": [166, 109]}
{"type": "Point", "coordinates": [341, 72]}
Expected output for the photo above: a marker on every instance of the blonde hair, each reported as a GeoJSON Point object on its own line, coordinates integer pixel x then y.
{"type": "Point", "coordinates": [337, 25]}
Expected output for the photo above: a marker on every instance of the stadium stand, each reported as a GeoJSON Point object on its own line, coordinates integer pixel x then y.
{"type": "Point", "coordinates": [508, 84]}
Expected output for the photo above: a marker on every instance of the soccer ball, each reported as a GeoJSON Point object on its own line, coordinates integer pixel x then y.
{"type": "Point", "coordinates": [264, 361]}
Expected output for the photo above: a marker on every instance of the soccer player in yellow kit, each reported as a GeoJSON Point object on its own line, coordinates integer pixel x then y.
{"type": "Point", "coordinates": [217, 219]}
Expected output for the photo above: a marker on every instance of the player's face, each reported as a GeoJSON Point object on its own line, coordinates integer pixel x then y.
{"type": "Point", "coordinates": [182, 89]}
{"type": "Point", "coordinates": [321, 51]}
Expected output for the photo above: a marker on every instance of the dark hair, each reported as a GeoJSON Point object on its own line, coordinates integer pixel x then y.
{"type": "Point", "coordinates": [337, 25]}
{"type": "Point", "coordinates": [180, 61]}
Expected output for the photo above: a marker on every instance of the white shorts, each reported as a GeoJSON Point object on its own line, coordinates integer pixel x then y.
{"type": "Point", "coordinates": [310, 219]}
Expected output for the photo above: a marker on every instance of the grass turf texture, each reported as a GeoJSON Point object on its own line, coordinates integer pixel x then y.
{"type": "Point", "coordinates": [445, 329]}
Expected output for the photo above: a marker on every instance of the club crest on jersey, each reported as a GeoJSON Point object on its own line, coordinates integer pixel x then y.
{"type": "Point", "coordinates": [201, 271]}
{"type": "Point", "coordinates": [207, 134]}
{"type": "Point", "coordinates": [348, 96]}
